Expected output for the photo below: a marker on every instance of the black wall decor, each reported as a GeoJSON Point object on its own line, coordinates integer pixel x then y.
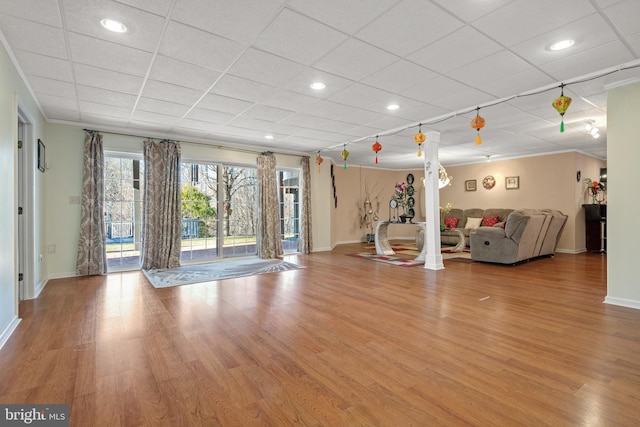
{"type": "Point", "coordinates": [333, 182]}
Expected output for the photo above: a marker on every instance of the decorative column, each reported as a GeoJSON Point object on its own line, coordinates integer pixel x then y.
{"type": "Point", "coordinates": [433, 258]}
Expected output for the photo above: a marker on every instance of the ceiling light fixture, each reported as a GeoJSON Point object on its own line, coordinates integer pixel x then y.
{"type": "Point", "coordinates": [317, 86]}
{"type": "Point", "coordinates": [590, 126]}
{"type": "Point", "coordinates": [563, 44]}
{"type": "Point", "coordinates": [268, 136]}
{"type": "Point", "coordinates": [113, 25]}
{"type": "Point", "coordinates": [393, 107]}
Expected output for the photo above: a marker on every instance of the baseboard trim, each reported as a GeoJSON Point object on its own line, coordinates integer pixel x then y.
{"type": "Point", "coordinates": [8, 331]}
{"type": "Point", "coordinates": [39, 288]}
{"type": "Point", "coordinates": [62, 275]}
{"type": "Point", "coordinates": [571, 251]}
{"type": "Point", "coordinates": [623, 302]}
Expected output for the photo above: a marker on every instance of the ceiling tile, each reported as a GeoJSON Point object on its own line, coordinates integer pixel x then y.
{"type": "Point", "coordinates": [399, 76]}
{"type": "Point", "coordinates": [199, 47]}
{"type": "Point", "coordinates": [289, 100]}
{"type": "Point", "coordinates": [521, 20]}
{"type": "Point", "coordinates": [470, 10]}
{"type": "Point", "coordinates": [44, 12]}
{"type": "Point", "coordinates": [435, 89]}
{"type": "Point", "coordinates": [162, 107]}
{"type": "Point", "coordinates": [223, 104]}
{"type": "Point", "coordinates": [42, 85]}
{"type": "Point", "coordinates": [168, 92]}
{"type": "Point", "coordinates": [51, 102]}
{"type": "Point", "coordinates": [517, 83]}
{"type": "Point", "coordinates": [586, 62]}
{"type": "Point", "coordinates": [347, 16]}
{"type": "Point", "coordinates": [360, 95]}
{"type": "Point", "coordinates": [624, 16]}
{"type": "Point", "coordinates": [34, 37]}
{"type": "Point", "coordinates": [44, 66]}
{"type": "Point", "coordinates": [109, 97]}
{"type": "Point", "coordinates": [308, 76]}
{"type": "Point", "coordinates": [273, 70]}
{"type": "Point", "coordinates": [143, 28]}
{"type": "Point", "coordinates": [355, 60]}
{"type": "Point", "coordinates": [169, 70]}
{"type": "Point", "coordinates": [468, 44]}
{"type": "Point", "coordinates": [57, 113]}
{"type": "Point", "coordinates": [489, 69]}
{"type": "Point", "coordinates": [98, 53]}
{"type": "Point", "coordinates": [422, 23]}
{"type": "Point", "coordinates": [210, 116]}
{"type": "Point", "coordinates": [238, 20]}
{"type": "Point", "coordinates": [298, 38]}
{"type": "Point", "coordinates": [264, 112]}
{"type": "Point", "coordinates": [159, 7]}
{"type": "Point", "coordinates": [107, 79]}
{"type": "Point", "coordinates": [243, 89]}
{"type": "Point", "coordinates": [104, 110]}
{"type": "Point", "coordinates": [149, 117]}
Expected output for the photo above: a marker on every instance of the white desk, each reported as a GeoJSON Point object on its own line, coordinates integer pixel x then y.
{"type": "Point", "coordinates": [383, 247]}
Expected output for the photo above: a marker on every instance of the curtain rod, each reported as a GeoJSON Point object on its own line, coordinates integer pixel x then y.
{"type": "Point", "coordinates": [220, 147]}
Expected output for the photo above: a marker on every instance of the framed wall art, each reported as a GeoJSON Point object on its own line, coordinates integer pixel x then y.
{"type": "Point", "coordinates": [470, 185]}
{"type": "Point", "coordinates": [41, 155]}
{"type": "Point", "coordinates": [512, 182]}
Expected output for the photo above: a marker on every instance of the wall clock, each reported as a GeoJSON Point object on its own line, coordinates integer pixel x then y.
{"type": "Point", "coordinates": [488, 182]}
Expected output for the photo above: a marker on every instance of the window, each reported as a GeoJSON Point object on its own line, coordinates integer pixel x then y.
{"type": "Point", "coordinates": [289, 200]}
{"type": "Point", "coordinates": [199, 184]}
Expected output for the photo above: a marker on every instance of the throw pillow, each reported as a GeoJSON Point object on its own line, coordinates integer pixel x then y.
{"type": "Point", "coordinates": [473, 223]}
{"type": "Point", "coordinates": [501, 224]}
{"type": "Point", "coordinates": [451, 222]}
{"type": "Point", "coordinates": [490, 221]}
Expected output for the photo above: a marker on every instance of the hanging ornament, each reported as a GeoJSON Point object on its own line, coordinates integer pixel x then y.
{"type": "Point", "coordinates": [561, 104]}
{"type": "Point", "coordinates": [319, 161]}
{"type": "Point", "coordinates": [345, 155]}
{"type": "Point", "coordinates": [419, 138]}
{"type": "Point", "coordinates": [478, 123]}
{"type": "Point", "coordinates": [376, 147]}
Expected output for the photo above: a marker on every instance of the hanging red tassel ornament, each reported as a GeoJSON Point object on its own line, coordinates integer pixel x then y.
{"type": "Point", "coordinates": [478, 123]}
{"type": "Point", "coordinates": [561, 104]}
{"type": "Point", "coordinates": [319, 161]}
{"type": "Point", "coordinates": [376, 147]}
{"type": "Point", "coordinates": [419, 138]}
{"type": "Point", "coordinates": [345, 155]}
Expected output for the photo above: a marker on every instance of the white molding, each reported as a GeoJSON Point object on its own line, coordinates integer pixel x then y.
{"type": "Point", "coordinates": [39, 288]}
{"type": "Point", "coordinates": [62, 275]}
{"type": "Point", "coordinates": [571, 251]}
{"type": "Point", "coordinates": [8, 331]}
{"type": "Point", "coordinates": [623, 302]}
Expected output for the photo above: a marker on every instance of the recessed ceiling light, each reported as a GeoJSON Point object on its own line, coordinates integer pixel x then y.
{"type": "Point", "coordinates": [268, 137]}
{"type": "Point", "coordinates": [318, 86]}
{"type": "Point", "coordinates": [393, 107]}
{"type": "Point", "coordinates": [112, 25]}
{"type": "Point", "coordinates": [562, 45]}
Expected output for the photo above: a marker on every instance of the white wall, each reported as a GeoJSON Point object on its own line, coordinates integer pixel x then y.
{"type": "Point", "coordinates": [623, 152]}
{"type": "Point", "coordinates": [13, 92]}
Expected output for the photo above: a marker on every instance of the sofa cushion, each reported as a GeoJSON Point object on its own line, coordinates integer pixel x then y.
{"type": "Point", "coordinates": [473, 223]}
{"type": "Point", "coordinates": [451, 222]}
{"type": "Point", "coordinates": [490, 221]}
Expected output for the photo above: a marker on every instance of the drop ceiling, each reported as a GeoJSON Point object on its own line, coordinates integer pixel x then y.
{"type": "Point", "coordinates": [233, 72]}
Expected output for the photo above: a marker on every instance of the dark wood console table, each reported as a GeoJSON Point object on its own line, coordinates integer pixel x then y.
{"type": "Point", "coordinates": [595, 217]}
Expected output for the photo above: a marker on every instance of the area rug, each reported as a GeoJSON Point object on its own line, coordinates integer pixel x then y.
{"type": "Point", "coordinates": [393, 260]}
{"type": "Point", "coordinates": [407, 251]}
{"type": "Point", "coordinates": [228, 269]}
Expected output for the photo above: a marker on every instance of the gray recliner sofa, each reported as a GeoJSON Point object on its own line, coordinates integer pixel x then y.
{"type": "Point", "coordinates": [528, 234]}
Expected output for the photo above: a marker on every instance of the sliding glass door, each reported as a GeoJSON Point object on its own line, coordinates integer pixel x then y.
{"type": "Point", "coordinates": [123, 183]}
{"type": "Point", "coordinates": [239, 219]}
{"type": "Point", "coordinates": [289, 199]}
{"type": "Point", "coordinates": [199, 211]}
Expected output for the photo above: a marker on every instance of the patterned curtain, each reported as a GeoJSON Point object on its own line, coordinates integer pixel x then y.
{"type": "Point", "coordinates": [92, 255]}
{"type": "Point", "coordinates": [270, 245]}
{"type": "Point", "coordinates": [304, 241]}
{"type": "Point", "coordinates": [161, 214]}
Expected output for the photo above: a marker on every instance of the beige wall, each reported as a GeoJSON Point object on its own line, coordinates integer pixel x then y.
{"type": "Point", "coordinates": [548, 181]}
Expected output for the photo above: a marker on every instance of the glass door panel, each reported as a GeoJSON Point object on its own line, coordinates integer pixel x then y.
{"type": "Point", "coordinates": [199, 211]}
{"type": "Point", "coordinates": [239, 210]}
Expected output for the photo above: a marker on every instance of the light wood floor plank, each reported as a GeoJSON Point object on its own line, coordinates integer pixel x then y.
{"type": "Point", "coordinates": [343, 341]}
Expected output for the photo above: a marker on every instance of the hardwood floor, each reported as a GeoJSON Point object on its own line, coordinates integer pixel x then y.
{"type": "Point", "coordinates": [342, 342]}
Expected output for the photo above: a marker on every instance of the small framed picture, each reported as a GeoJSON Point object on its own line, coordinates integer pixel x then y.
{"type": "Point", "coordinates": [512, 182]}
{"type": "Point", "coordinates": [41, 157]}
{"type": "Point", "coordinates": [470, 185]}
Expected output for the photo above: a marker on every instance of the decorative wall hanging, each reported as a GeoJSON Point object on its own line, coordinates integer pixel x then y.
{"type": "Point", "coordinates": [488, 182]}
{"type": "Point", "coordinates": [333, 183]}
{"type": "Point", "coordinates": [470, 185]}
{"type": "Point", "coordinates": [478, 123]}
{"type": "Point", "coordinates": [561, 104]}
{"type": "Point", "coordinates": [512, 182]}
{"type": "Point", "coordinates": [319, 161]}
{"type": "Point", "coordinates": [419, 138]}
{"type": "Point", "coordinates": [345, 155]}
{"type": "Point", "coordinates": [376, 147]}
